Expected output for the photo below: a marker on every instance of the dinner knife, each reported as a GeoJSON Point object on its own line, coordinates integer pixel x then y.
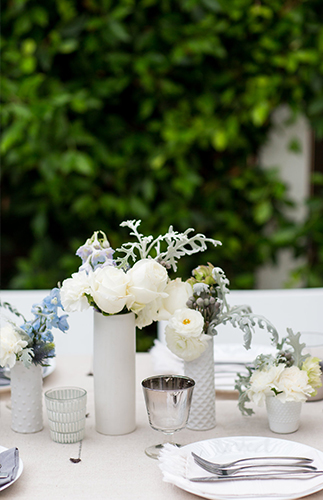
{"type": "Point", "coordinates": [248, 477]}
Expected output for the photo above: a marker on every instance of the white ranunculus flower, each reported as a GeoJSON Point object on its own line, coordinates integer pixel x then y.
{"type": "Point", "coordinates": [187, 348]}
{"type": "Point", "coordinates": [10, 344]}
{"type": "Point", "coordinates": [184, 334]}
{"type": "Point", "coordinates": [147, 282]}
{"type": "Point", "coordinates": [73, 292]}
{"type": "Point", "coordinates": [178, 293]}
{"type": "Point", "coordinates": [187, 322]}
{"type": "Point", "coordinates": [262, 381]}
{"type": "Point", "coordinates": [294, 385]}
{"type": "Point", "coordinates": [109, 287]}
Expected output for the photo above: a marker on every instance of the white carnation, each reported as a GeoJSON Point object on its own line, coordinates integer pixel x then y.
{"type": "Point", "coordinates": [10, 344]}
{"type": "Point", "coordinates": [73, 292]}
{"type": "Point", "coordinates": [294, 385]}
{"type": "Point", "coordinates": [262, 382]}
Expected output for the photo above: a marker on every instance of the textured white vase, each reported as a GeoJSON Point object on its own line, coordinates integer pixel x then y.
{"type": "Point", "coordinates": [283, 418]}
{"type": "Point", "coordinates": [202, 413]}
{"type": "Point", "coordinates": [26, 398]}
{"type": "Point", "coordinates": [114, 370]}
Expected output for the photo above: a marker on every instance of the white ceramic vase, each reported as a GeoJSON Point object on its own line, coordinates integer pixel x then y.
{"type": "Point", "coordinates": [283, 418]}
{"type": "Point", "coordinates": [202, 413]}
{"type": "Point", "coordinates": [26, 398]}
{"type": "Point", "coordinates": [114, 370]}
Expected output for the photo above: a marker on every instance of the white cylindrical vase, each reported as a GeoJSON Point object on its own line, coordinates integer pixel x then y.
{"type": "Point", "coordinates": [283, 418]}
{"type": "Point", "coordinates": [201, 370]}
{"type": "Point", "coordinates": [26, 398]}
{"type": "Point", "coordinates": [114, 370]}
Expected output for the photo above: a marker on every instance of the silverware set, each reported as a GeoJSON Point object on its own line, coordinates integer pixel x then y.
{"type": "Point", "coordinates": [257, 468]}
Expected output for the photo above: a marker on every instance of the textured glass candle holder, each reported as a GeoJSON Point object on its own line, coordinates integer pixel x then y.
{"type": "Point", "coordinates": [66, 409]}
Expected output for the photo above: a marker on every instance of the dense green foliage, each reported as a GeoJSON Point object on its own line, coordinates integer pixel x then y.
{"type": "Point", "coordinates": [152, 110]}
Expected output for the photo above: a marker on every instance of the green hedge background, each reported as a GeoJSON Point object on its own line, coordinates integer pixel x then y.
{"type": "Point", "coordinates": [154, 110]}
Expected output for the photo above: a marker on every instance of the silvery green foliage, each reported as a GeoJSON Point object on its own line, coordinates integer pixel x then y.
{"type": "Point", "coordinates": [176, 246]}
{"type": "Point", "coordinates": [293, 339]}
{"type": "Point", "coordinates": [241, 385]}
{"type": "Point", "coordinates": [239, 316]}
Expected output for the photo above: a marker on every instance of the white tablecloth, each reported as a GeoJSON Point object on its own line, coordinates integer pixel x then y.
{"type": "Point", "coordinates": [116, 467]}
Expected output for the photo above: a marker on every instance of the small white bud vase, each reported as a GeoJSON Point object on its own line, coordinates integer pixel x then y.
{"type": "Point", "coordinates": [201, 370]}
{"type": "Point", "coordinates": [283, 418]}
{"type": "Point", "coordinates": [114, 370]}
{"type": "Point", "coordinates": [26, 398]}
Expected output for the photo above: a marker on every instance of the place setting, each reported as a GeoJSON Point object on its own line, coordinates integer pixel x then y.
{"type": "Point", "coordinates": [247, 467]}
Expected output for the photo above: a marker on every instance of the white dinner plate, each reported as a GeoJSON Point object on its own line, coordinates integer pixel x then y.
{"type": "Point", "coordinates": [20, 469]}
{"type": "Point", "coordinates": [177, 466]}
{"type": "Point", "coordinates": [47, 370]}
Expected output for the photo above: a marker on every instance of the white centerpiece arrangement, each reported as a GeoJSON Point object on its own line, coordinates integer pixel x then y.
{"type": "Point", "coordinates": [127, 288]}
{"type": "Point", "coordinates": [283, 382]}
{"type": "Point", "coordinates": [190, 333]}
{"type": "Point", "coordinates": [25, 349]}
{"type": "Point", "coordinates": [137, 280]}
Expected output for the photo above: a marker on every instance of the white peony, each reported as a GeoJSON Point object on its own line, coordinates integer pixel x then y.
{"type": "Point", "coordinates": [178, 293]}
{"type": "Point", "coordinates": [10, 344]}
{"type": "Point", "coordinates": [109, 289]}
{"type": "Point", "coordinates": [184, 334]}
{"type": "Point", "coordinates": [147, 282]}
{"type": "Point", "coordinates": [73, 292]}
{"type": "Point", "coordinates": [262, 381]}
{"type": "Point", "coordinates": [294, 385]}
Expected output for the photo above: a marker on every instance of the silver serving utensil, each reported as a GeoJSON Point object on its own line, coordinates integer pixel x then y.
{"type": "Point", "coordinates": [270, 460]}
{"type": "Point", "coordinates": [250, 477]}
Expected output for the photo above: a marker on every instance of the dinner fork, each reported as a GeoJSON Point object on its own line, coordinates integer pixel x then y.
{"type": "Point", "coordinates": [279, 460]}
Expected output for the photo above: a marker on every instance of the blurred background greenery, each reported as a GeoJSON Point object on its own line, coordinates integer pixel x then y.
{"type": "Point", "coordinates": [155, 110]}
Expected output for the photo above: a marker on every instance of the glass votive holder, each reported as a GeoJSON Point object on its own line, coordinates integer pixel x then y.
{"type": "Point", "coordinates": [66, 409]}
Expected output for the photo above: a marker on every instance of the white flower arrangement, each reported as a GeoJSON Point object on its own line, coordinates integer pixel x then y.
{"type": "Point", "coordinates": [288, 376]}
{"type": "Point", "coordinates": [191, 327]}
{"type": "Point", "coordinates": [137, 279]}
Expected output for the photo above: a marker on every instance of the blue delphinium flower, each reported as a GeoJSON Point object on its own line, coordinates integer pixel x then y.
{"type": "Point", "coordinates": [96, 252]}
{"type": "Point", "coordinates": [38, 330]}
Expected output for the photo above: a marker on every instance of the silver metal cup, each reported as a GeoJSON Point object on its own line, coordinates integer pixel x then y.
{"type": "Point", "coordinates": [168, 401]}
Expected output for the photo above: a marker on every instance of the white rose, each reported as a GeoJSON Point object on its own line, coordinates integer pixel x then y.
{"type": "Point", "coordinates": [73, 292]}
{"type": "Point", "coordinates": [109, 287]}
{"type": "Point", "coordinates": [178, 293]}
{"type": "Point", "coordinates": [184, 334]}
{"type": "Point", "coordinates": [10, 344]}
{"type": "Point", "coordinates": [147, 282]}
{"type": "Point", "coordinates": [294, 384]}
{"type": "Point", "coordinates": [262, 381]}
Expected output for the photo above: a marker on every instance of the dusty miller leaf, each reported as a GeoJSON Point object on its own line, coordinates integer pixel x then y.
{"type": "Point", "coordinates": [177, 245]}
{"type": "Point", "coordinates": [294, 341]}
{"type": "Point", "coordinates": [26, 357]}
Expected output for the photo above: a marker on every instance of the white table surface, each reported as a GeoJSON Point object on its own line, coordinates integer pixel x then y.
{"type": "Point", "coordinates": [116, 467]}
